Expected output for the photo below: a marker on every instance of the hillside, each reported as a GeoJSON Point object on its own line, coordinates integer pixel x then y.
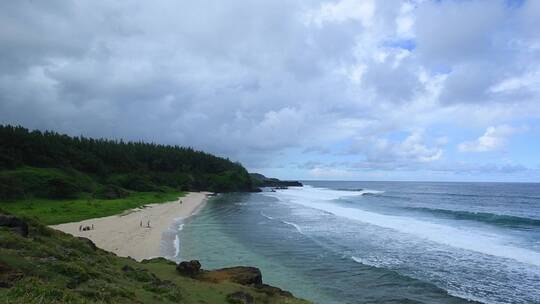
{"type": "Point", "coordinates": [41, 265]}
{"type": "Point", "coordinates": [48, 165]}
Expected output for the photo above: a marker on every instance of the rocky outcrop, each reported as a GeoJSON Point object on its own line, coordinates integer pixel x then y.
{"type": "Point", "coordinates": [190, 269]}
{"type": "Point", "coordinates": [260, 180]}
{"type": "Point", "coordinates": [15, 224]}
{"type": "Point", "coordinates": [241, 275]}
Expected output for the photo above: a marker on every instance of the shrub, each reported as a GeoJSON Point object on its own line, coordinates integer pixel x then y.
{"type": "Point", "coordinates": [111, 192]}
{"type": "Point", "coordinates": [62, 188]}
{"type": "Point", "coordinates": [10, 189]}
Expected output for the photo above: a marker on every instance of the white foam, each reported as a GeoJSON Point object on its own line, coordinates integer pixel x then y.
{"type": "Point", "coordinates": [294, 225]}
{"type": "Point", "coordinates": [266, 216]}
{"type": "Point", "coordinates": [377, 261]}
{"type": "Point", "coordinates": [471, 239]}
{"type": "Point", "coordinates": [315, 194]}
{"type": "Point", "coordinates": [179, 222]}
{"type": "Point", "coordinates": [176, 246]}
{"type": "Point", "coordinates": [368, 191]}
{"type": "Point", "coordinates": [360, 260]}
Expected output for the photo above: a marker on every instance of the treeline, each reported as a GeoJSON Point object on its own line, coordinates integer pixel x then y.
{"type": "Point", "coordinates": [49, 164]}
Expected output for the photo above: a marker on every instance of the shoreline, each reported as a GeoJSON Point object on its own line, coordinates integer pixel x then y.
{"type": "Point", "coordinates": [128, 234]}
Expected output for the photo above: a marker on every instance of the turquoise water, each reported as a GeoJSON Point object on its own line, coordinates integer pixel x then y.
{"type": "Point", "coordinates": [360, 242]}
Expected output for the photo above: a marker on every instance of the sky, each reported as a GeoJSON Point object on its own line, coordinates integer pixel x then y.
{"type": "Point", "coordinates": [425, 90]}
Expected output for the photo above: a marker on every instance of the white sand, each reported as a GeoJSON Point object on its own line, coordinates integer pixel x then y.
{"type": "Point", "coordinates": [123, 234]}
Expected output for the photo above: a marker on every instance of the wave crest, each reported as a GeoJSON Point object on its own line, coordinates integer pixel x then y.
{"type": "Point", "coordinates": [490, 218]}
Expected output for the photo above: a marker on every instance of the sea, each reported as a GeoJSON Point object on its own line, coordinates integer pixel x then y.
{"type": "Point", "coordinates": [377, 242]}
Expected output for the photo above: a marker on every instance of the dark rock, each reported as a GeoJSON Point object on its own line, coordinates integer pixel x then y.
{"type": "Point", "coordinates": [191, 268]}
{"type": "Point", "coordinates": [88, 242]}
{"type": "Point", "coordinates": [240, 297]}
{"type": "Point", "coordinates": [245, 275]}
{"type": "Point", "coordinates": [15, 224]}
{"type": "Point", "coordinates": [241, 275]}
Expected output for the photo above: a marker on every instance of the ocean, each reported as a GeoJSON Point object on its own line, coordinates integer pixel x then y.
{"type": "Point", "coordinates": [378, 242]}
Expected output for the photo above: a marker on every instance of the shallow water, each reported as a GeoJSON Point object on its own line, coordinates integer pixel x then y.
{"type": "Point", "coordinates": [379, 242]}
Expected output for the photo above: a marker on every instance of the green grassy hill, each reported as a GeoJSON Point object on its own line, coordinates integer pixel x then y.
{"type": "Point", "coordinates": [48, 266]}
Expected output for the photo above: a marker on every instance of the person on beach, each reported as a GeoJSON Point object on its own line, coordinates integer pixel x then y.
{"type": "Point", "coordinates": [148, 224]}
{"type": "Point", "coordinates": [80, 228]}
{"type": "Point", "coordinates": [140, 224]}
{"type": "Point", "coordinates": [92, 226]}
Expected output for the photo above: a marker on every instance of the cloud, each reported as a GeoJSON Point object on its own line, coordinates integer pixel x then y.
{"type": "Point", "coordinates": [316, 149]}
{"type": "Point", "coordinates": [332, 173]}
{"type": "Point", "coordinates": [483, 168]}
{"type": "Point", "coordinates": [468, 28]}
{"type": "Point", "coordinates": [382, 153]}
{"type": "Point", "coordinates": [362, 170]}
{"type": "Point", "coordinates": [485, 50]}
{"type": "Point", "coordinates": [528, 81]}
{"type": "Point", "coordinates": [494, 139]}
{"type": "Point", "coordinates": [341, 11]}
{"type": "Point", "coordinates": [261, 81]}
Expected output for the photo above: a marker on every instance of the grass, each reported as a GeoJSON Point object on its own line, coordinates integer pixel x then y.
{"type": "Point", "coordinates": [52, 212]}
{"type": "Point", "coordinates": [49, 266]}
{"type": "Point", "coordinates": [44, 182]}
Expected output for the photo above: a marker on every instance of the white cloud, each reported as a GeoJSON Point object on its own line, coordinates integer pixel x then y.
{"type": "Point", "coordinates": [405, 21]}
{"type": "Point", "coordinates": [414, 148]}
{"type": "Point", "coordinates": [384, 153]}
{"type": "Point", "coordinates": [527, 81]}
{"type": "Point", "coordinates": [341, 11]}
{"type": "Point", "coordinates": [495, 138]}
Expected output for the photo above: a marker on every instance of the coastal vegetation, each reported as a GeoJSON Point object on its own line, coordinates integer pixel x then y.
{"type": "Point", "coordinates": [59, 178]}
{"type": "Point", "coordinates": [41, 265]}
{"type": "Point", "coordinates": [58, 211]}
{"type": "Point", "coordinates": [51, 165]}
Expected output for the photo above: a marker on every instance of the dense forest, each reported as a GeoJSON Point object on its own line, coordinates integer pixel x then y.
{"type": "Point", "coordinates": [52, 165]}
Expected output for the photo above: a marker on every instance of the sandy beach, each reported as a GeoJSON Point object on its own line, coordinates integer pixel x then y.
{"type": "Point", "coordinates": [128, 234]}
